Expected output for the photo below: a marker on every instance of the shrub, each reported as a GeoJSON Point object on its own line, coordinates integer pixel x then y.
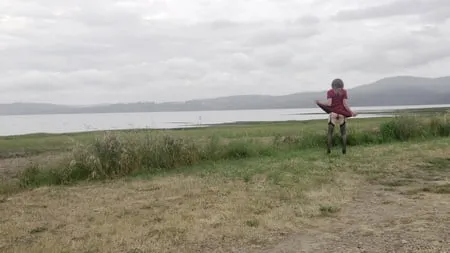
{"type": "Point", "coordinates": [213, 150]}
{"type": "Point", "coordinates": [402, 128]}
{"type": "Point", "coordinates": [245, 149]}
{"type": "Point", "coordinates": [34, 176]}
{"type": "Point", "coordinates": [167, 152]}
{"type": "Point", "coordinates": [439, 126]}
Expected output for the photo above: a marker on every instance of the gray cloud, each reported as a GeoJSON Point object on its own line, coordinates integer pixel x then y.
{"type": "Point", "coordinates": [426, 8]}
{"type": "Point", "coordinates": [118, 51]}
{"type": "Point", "coordinates": [308, 20]}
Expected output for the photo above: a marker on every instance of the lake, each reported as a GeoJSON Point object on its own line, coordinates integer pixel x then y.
{"type": "Point", "coordinates": [65, 123]}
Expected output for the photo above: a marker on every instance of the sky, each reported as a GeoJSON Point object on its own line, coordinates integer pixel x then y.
{"type": "Point", "coordinates": [109, 51]}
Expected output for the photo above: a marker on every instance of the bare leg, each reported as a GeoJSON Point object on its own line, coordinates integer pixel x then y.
{"type": "Point", "coordinates": [343, 129]}
{"type": "Point", "coordinates": [330, 136]}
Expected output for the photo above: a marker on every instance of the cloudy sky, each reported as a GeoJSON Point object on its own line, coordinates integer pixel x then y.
{"type": "Point", "coordinates": [85, 51]}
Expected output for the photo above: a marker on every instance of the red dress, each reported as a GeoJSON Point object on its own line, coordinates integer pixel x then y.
{"type": "Point", "coordinates": [337, 103]}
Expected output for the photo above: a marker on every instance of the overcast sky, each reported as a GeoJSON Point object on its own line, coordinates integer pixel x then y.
{"type": "Point", "coordinates": [86, 51]}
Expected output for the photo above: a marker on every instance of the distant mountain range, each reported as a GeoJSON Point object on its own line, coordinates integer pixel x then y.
{"type": "Point", "coordinates": [401, 90]}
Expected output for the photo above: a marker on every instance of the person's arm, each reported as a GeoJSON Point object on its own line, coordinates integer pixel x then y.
{"type": "Point", "coordinates": [347, 107]}
{"type": "Point", "coordinates": [329, 101]}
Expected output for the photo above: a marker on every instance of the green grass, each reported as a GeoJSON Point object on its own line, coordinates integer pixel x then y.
{"type": "Point", "coordinates": [25, 145]}
{"type": "Point", "coordinates": [118, 154]}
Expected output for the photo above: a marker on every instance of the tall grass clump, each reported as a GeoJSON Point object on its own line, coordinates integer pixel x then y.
{"type": "Point", "coordinates": [246, 148]}
{"type": "Point", "coordinates": [60, 173]}
{"type": "Point", "coordinates": [114, 156]}
{"type": "Point", "coordinates": [440, 126]}
{"type": "Point", "coordinates": [162, 152]}
{"type": "Point", "coordinates": [368, 137]}
{"type": "Point", "coordinates": [300, 141]}
{"type": "Point", "coordinates": [117, 155]}
{"type": "Point", "coordinates": [403, 128]}
{"type": "Point", "coordinates": [213, 149]}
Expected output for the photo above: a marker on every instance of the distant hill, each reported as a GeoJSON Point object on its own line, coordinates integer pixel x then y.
{"type": "Point", "coordinates": [401, 90]}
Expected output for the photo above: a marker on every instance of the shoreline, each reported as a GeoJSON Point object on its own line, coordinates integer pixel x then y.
{"type": "Point", "coordinates": [368, 115]}
{"type": "Point", "coordinates": [176, 129]}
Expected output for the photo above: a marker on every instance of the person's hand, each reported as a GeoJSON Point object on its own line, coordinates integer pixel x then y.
{"type": "Point", "coordinates": [317, 101]}
{"type": "Point", "coordinates": [354, 114]}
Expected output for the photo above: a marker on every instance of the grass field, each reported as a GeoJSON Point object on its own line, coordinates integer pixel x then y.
{"type": "Point", "coordinates": [266, 187]}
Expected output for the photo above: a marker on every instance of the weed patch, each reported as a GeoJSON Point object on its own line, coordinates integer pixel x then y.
{"type": "Point", "coordinates": [438, 189]}
{"type": "Point", "coordinates": [327, 210]}
{"type": "Point", "coordinates": [438, 164]}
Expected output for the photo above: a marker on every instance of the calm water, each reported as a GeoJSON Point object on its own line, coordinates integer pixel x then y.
{"type": "Point", "coordinates": [63, 123]}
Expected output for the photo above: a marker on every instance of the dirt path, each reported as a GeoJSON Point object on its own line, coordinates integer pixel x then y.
{"type": "Point", "coordinates": [380, 221]}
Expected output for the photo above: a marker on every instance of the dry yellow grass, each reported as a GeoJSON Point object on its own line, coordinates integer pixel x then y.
{"type": "Point", "coordinates": [180, 213]}
{"type": "Point", "coordinates": [175, 214]}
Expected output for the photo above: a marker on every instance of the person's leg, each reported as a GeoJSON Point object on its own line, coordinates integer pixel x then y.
{"type": "Point", "coordinates": [330, 137]}
{"type": "Point", "coordinates": [343, 128]}
{"type": "Point", "coordinates": [330, 134]}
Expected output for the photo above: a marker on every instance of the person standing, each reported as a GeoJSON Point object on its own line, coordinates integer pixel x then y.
{"type": "Point", "coordinates": [339, 110]}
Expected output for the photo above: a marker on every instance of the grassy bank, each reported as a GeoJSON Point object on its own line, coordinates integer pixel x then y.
{"type": "Point", "coordinates": [121, 154]}
{"type": "Point", "coordinates": [33, 144]}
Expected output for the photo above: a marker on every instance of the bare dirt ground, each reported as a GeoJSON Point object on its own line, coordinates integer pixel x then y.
{"type": "Point", "coordinates": [379, 219]}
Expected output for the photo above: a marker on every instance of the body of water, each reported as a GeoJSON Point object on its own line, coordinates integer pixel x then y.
{"type": "Point", "coordinates": [65, 123]}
